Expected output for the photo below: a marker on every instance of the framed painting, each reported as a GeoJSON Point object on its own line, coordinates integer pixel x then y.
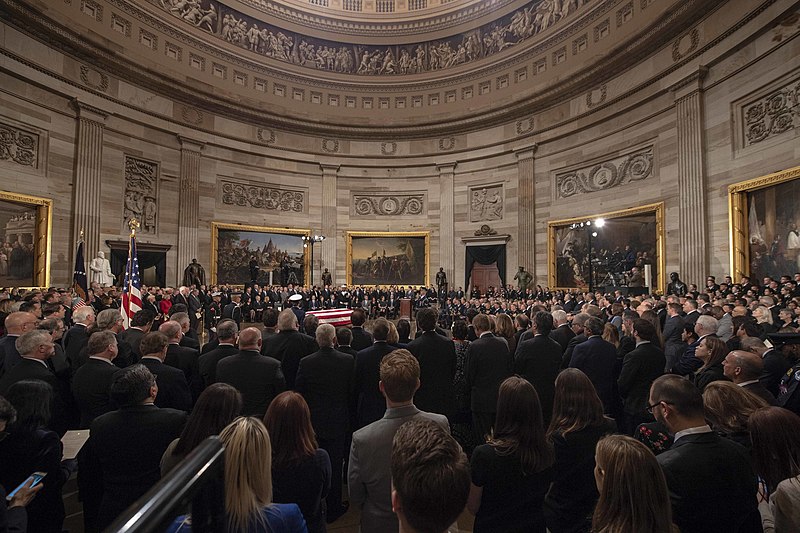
{"type": "Point", "coordinates": [25, 229]}
{"type": "Point", "coordinates": [602, 250]}
{"type": "Point", "coordinates": [388, 258]}
{"type": "Point", "coordinates": [765, 226]}
{"type": "Point", "coordinates": [241, 254]}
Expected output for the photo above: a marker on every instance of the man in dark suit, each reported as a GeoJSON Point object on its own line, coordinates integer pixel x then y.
{"type": "Point", "coordinates": [578, 322]}
{"type": "Point", "coordinates": [257, 377]}
{"type": "Point", "coordinates": [744, 369]}
{"type": "Point", "coordinates": [343, 339]}
{"type": "Point", "coordinates": [183, 358]}
{"type": "Point", "coordinates": [361, 338]}
{"type": "Point", "coordinates": [325, 379]}
{"type": "Point", "coordinates": [76, 337]}
{"type": "Point", "coordinates": [227, 333]}
{"type": "Point", "coordinates": [711, 483]}
{"type": "Point", "coordinates": [673, 328]}
{"type": "Point", "coordinates": [189, 337]}
{"type": "Point", "coordinates": [120, 461]}
{"type": "Point", "coordinates": [141, 323]}
{"type": "Point", "coordinates": [437, 361]}
{"type": "Point", "coordinates": [562, 331]}
{"type": "Point", "coordinates": [289, 345]}
{"type": "Point", "coordinates": [688, 364]}
{"type": "Point", "coordinates": [369, 402]}
{"type": "Point", "coordinates": [640, 368]}
{"type": "Point", "coordinates": [690, 308]}
{"type": "Point", "coordinates": [233, 310]}
{"type": "Point", "coordinates": [16, 324]}
{"type": "Point", "coordinates": [776, 363]}
{"type": "Point", "coordinates": [91, 384]}
{"type": "Point", "coordinates": [173, 391]}
{"type": "Point", "coordinates": [596, 358]}
{"type": "Point", "coordinates": [488, 364]}
{"type": "Point", "coordinates": [539, 361]}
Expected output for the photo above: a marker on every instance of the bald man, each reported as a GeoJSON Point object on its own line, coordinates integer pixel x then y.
{"type": "Point", "coordinates": [745, 369]}
{"type": "Point", "coordinates": [259, 378]}
{"type": "Point", "coordinates": [16, 324]}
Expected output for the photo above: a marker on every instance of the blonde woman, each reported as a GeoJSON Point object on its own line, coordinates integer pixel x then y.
{"type": "Point", "coordinates": [728, 408]}
{"type": "Point", "coordinates": [248, 484]}
{"type": "Point", "coordinates": [632, 487]}
{"type": "Point", "coordinates": [763, 317]}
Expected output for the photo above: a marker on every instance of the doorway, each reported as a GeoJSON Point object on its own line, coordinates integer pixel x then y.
{"type": "Point", "coordinates": [485, 276]}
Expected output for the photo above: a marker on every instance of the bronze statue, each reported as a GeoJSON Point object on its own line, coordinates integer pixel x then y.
{"type": "Point", "coordinates": [194, 274]}
{"type": "Point", "coordinates": [523, 278]}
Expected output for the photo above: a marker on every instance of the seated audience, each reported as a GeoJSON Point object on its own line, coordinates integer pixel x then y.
{"type": "Point", "coordinates": [776, 456]}
{"type": "Point", "coordinates": [301, 472]}
{"type": "Point", "coordinates": [216, 407]}
{"type": "Point", "coordinates": [728, 408]}
{"type": "Point", "coordinates": [633, 491]}
{"type": "Point", "coordinates": [248, 484]}
{"type": "Point", "coordinates": [430, 477]}
{"type": "Point", "coordinates": [512, 472]}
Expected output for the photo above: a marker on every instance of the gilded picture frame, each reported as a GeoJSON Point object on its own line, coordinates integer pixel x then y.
{"type": "Point", "coordinates": [746, 247]}
{"type": "Point", "coordinates": [38, 231]}
{"type": "Point", "coordinates": [656, 242]}
{"type": "Point", "coordinates": [261, 236]}
{"type": "Point", "coordinates": [406, 253]}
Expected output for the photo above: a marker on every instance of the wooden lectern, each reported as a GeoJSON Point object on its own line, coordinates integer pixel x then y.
{"type": "Point", "coordinates": [405, 308]}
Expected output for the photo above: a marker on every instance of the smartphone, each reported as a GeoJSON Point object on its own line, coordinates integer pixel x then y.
{"type": "Point", "coordinates": [37, 478]}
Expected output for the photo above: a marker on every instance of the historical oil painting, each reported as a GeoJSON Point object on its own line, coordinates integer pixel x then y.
{"type": "Point", "coordinates": [244, 254]}
{"type": "Point", "coordinates": [24, 229]}
{"type": "Point", "coordinates": [609, 249]}
{"type": "Point", "coordinates": [390, 258]}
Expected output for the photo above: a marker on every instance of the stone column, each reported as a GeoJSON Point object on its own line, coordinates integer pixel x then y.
{"type": "Point", "coordinates": [88, 176]}
{"type": "Point", "coordinates": [526, 210]}
{"type": "Point", "coordinates": [446, 224]}
{"type": "Point", "coordinates": [188, 203]}
{"type": "Point", "coordinates": [688, 93]}
{"type": "Point", "coordinates": [325, 254]}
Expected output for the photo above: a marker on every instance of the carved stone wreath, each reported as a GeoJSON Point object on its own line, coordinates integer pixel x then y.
{"type": "Point", "coordinates": [694, 40]}
{"type": "Point", "coordinates": [94, 78]}
{"type": "Point", "coordinates": [262, 197]}
{"type": "Point", "coordinates": [606, 175]}
{"type": "Point", "coordinates": [447, 144]}
{"type": "Point", "coordinates": [192, 115]}
{"type": "Point", "coordinates": [367, 205]}
{"type": "Point", "coordinates": [18, 146]}
{"type": "Point", "coordinates": [265, 136]}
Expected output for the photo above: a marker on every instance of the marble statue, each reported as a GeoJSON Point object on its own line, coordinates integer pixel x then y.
{"type": "Point", "coordinates": [100, 270]}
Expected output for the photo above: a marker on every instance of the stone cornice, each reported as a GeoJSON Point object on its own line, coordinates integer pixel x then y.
{"type": "Point", "coordinates": [88, 112]}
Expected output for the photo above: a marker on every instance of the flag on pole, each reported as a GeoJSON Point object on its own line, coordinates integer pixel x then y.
{"type": "Point", "coordinates": [79, 284]}
{"type": "Point", "coordinates": [132, 288]}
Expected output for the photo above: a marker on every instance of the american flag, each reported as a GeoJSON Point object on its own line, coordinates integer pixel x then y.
{"type": "Point", "coordinates": [132, 288]}
{"type": "Point", "coordinates": [335, 317]}
{"type": "Point", "coordinates": [79, 279]}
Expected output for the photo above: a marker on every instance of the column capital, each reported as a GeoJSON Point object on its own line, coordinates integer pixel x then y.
{"type": "Point", "coordinates": [446, 168]}
{"type": "Point", "coordinates": [190, 144]}
{"type": "Point", "coordinates": [693, 82]}
{"type": "Point", "coordinates": [88, 112]}
{"type": "Point", "coordinates": [526, 152]}
{"type": "Point", "coordinates": [329, 168]}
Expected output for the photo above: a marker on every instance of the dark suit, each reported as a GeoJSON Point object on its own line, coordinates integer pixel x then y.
{"type": "Point", "coordinates": [74, 342]}
{"type": "Point", "coordinates": [711, 485]}
{"type": "Point", "coordinates": [348, 350]}
{"type": "Point", "coordinates": [133, 337]}
{"type": "Point", "coordinates": [437, 362]}
{"type": "Point", "coordinates": [173, 391]}
{"type": "Point", "coordinates": [640, 368]}
{"type": "Point", "coordinates": [562, 335]}
{"type": "Point", "coordinates": [208, 362]}
{"type": "Point", "coordinates": [9, 356]}
{"type": "Point", "coordinates": [34, 369]}
{"type": "Point", "coordinates": [539, 361]}
{"type": "Point", "coordinates": [189, 342]}
{"type": "Point", "coordinates": [596, 358]}
{"type": "Point", "coordinates": [691, 318]}
{"type": "Point", "coordinates": [90, 387]}
{"type": "Point", "coordinates": [289, 347]}
{"type": "Point", "coordinates": [187, 360]}
{"type": "Point", "coordinates": [775, 367]}
{"type": "Point", "coordinates": [325, 379]}
{"type": "Point", "coordinates": [361, 339]}
{"type": "Point", "coordinates": [688, 364]}
{"type": "Point", "coordinates": [370, 403]}
{"type": "Point", "coordinates": [488, 364]}
{"type": "Point", "coordinates": [573, 342]}
{"type": "Point", "coordinates": [761, 391]}
{"type": "Point", "coordinates": [257, 377]}
{"type": "Point", "coordinates": [120, 461]}
{"type": "Point", "coordinates": [673, 345]}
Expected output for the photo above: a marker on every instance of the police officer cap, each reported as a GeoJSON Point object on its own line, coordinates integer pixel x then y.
{"type": "Point", "coordinates": [295, 297]}
{"type": "Point", "coordinates": [780, 339]}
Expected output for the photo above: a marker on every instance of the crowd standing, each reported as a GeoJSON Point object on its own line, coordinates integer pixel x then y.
{"type": "Point", "coordinates": [534, 409]}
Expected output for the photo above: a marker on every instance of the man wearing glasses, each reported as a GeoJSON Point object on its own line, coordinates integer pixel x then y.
{"type": "Point", "coordinates": [16, 324]}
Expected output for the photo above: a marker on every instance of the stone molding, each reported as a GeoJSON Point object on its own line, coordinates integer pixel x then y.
{"type": "Point", "coordinates": [370, 205]}
{"type": "Point", "coordinates": [262, 196]}
{"type": "Point", "coordinates": [621, 170]}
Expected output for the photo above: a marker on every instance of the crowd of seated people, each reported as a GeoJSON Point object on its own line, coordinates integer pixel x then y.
{"type": "Point", "coordinates": [541, 410]}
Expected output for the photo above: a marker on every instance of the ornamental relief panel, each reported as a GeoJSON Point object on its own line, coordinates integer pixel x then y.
{"type": "Point", "coordinates": [635, 166]}
{"type": "Point", "coordinates": [18, 146]}
{"type": "Point", "coordinates": [772, 115]}
{"type": "Point", "coordinates": [141, 194]}
{"type": "Point", "coordinates": [370, 205]}
{"type": "Point", "coordinates": [486, 203]}
{"type": "Point", "coordinates": [262, 196]}
{"type": "Point", "coordinates": [412, 58]}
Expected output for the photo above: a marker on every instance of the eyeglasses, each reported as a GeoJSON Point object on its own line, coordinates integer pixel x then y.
{"type": "Point", "coordinates": [651, 407]}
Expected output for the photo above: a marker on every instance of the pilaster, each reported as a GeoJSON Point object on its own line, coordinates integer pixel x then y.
{"type": "Point", "coordinates": [327, 257]}
{"type": "Point", "coordinates": [188, 202]}
{"type": "Point", "coordinates": [446, 223]}
{"type": "Point", "coordinates": [526, 211]}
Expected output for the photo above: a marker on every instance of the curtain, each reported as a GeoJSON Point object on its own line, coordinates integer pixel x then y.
{"type": "Point", "coordinates": [119, 259]}
{"type": "Point", "coordinates": [485, 255]}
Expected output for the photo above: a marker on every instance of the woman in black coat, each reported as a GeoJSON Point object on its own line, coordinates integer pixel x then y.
{"type": "Point", "coordinates": [712, 352]}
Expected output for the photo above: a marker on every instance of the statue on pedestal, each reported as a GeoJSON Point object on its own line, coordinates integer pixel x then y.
{"type": "Point", "coordinates": [523, 278]}
{"type": "Point", "coordinates": [441, 278]}
{"type": "Point", "coordinates": [194, 274]}
{"type": "Point", "coordinates": [100, 269]}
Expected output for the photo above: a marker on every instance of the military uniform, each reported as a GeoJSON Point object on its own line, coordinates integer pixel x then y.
{"type": "Point", "coordinates": [789, 390]}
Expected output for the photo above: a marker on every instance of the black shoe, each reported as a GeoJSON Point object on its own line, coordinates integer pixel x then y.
{"type": "Point", "coordinates": [333, 516]}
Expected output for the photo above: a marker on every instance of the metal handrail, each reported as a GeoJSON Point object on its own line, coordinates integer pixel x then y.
{"type": "Point", "coordinates": [198, 479]}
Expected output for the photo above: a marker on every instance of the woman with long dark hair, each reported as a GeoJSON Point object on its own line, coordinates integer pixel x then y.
{"type": "Point", "coordinates": [301, 471]}
{"type": "Point", "coordinates": [577, 424]}
{"type": "Point", "coordinates": [512, 472]}
{"type": "Point", "coordinates": [728, 408]}
{"type": "Point", "coordinates": [31, 447]}
{"type": "Point", "coordinates": [216, 407]}
{"type": "Point", "coordinates": [632, 487]}
{"type": "Point", "coordinates": [712, 351]}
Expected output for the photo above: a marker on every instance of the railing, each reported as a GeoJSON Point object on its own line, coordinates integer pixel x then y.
{"type": "Point", "coordinates": [198, 480]}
